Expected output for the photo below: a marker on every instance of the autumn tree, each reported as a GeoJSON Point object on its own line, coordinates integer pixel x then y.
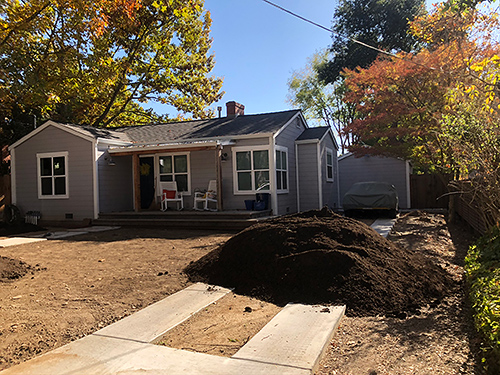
{"type": "Point", "coordinates": [320, 101]}
{"type": "Point", "coordinates": [97, 63]}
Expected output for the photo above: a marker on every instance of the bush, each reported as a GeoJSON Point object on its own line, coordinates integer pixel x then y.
{"type": "Point", "coordinates": [482, 266]}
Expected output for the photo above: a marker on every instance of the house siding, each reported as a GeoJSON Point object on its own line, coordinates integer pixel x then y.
{"type": "Point", "coordinates": [116, 191]}
{"type": "Point", "coordinates": [308, 176]}
{"type": "Point", "coordinates": [232, 201]}
{"type": "Point", "coordinates": [202, 171]}
{"type": "Point", "coordinates": [374, 168]}
{"type": "Point", "coordinates": [329, 188]}
{"type": "Point", "coordinates": [287, 202]}
{"type": "Point", "coordinates": [80, 202]}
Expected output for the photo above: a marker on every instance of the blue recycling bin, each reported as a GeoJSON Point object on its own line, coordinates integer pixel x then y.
{"type": "Point", "coordinates": [262, 201]}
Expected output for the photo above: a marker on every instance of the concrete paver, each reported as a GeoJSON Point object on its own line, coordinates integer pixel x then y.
{"type": "Point", "coordinates": [297, 336]}
{"type": "Point", "coordinates": [291, 344]}
{"type": "Point", "coordinates": [149, 324]}
{"type": "Point", "coordinates": [12, 241]}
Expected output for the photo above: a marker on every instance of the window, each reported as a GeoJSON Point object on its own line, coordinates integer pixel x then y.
{"type": "Point", "coordinates": [252, 170]}
{"type": "Point", "coordinates": [329, 165]}
{"type": "Point", "coordinates": [52, 175]}
{"type": "Point", "coordinates": [175, 168]}
{"type": "Point", "coordinates": [281, 169]}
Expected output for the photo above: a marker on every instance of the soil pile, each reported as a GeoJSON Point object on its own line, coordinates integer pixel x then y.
{"type": "Point", "coordinates": [322, 257]}
{"type": "Point", "coordinates": [12, 269]}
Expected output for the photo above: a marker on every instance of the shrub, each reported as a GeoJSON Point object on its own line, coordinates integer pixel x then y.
{"type": "Point", "coordinates": [482, 267]}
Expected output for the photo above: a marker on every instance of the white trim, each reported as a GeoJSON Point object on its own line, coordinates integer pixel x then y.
{"type": "Point", "coordinates": [95, 184]}
{"type": "Point", "coordinates": [339, 202]}
{"type": "Point", "coordinates": [234, 150]}
{"type": "Point", "coordinates": [106, 141]}
{"type": "Point", "coordinates": [320, 179]}
{"type": "Point", "coordinates": [13, 176]}
{"type": "Point", "coordinates": [46, 125]}
{"type": "Point", "coordinates": [157, 170]}
{"type": "Point", "coordinates": [52, 155]}
{"type": "Point", "coordinates": [285, 150]}
{"type": "Point", "coordinates": [306, 141]}
{"type": "Point", "coordinates": [297, 176]}
{"type": "Point", "coordinates": [328, 150]}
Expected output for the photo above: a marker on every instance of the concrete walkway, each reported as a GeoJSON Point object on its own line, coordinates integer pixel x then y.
{"type": "Point", "coordinates": [51, 235]}
{"type": "Point", "coordinates": [290, 344]}
{"type": "Point", "coordinates": [383, 226]}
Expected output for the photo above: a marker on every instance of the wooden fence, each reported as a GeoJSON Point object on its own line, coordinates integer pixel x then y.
{"type": "Point", "coordinates": [425, 189]}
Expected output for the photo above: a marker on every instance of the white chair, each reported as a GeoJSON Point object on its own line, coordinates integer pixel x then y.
{"type": "Point", "coordinates": [169, 193]}
{"type": "Point", "coordinates": [206, 198]}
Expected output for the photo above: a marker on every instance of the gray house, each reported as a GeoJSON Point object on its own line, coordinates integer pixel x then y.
{"type": "Point", "coordinates": [395, 171]}
{"type": "Point", "coordinates": [71, 172]}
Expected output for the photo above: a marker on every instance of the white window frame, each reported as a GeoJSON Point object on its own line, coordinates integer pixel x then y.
{"type": "Point", "coordinates": [329, 179]}
{"type": "Point", "coordinates": [52, 155]}
{"type": "Point", "coordinates": [172, 154]}
{"type": "Point", "coordinates": [282, 149]}
{"type": "Point", "coordinates": [250, 149]}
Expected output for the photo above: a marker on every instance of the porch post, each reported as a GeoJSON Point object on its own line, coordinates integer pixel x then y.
{"type": "Point", "coordinates": [218, 174]}
{"type": "Point", "coordinates": [137, 182]}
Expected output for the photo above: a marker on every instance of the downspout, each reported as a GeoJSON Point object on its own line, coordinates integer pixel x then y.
{"type": "Point", "coordinates": [297, 175]}
{"type": "Point", "coordinates": [272, 175]}
{"type": "Point", "coordinates": [408, 186]}
{"type": "Point", "coordinates": [320, 186]}
{"type": "Point", "coordinates": [13, 186]}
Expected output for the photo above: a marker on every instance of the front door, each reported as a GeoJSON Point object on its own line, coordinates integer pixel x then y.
{"type": "Point", "coordinates": [147, 181]}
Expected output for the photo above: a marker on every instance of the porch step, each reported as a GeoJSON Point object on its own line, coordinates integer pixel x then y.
{"type": "Point", "coordinates": [228, 220]}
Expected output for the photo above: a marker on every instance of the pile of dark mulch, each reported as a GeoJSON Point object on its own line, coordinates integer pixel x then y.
{"type": "Point", "coordinates": [12, 269]}
{"type": "Point", "coordinates": [321, 257]}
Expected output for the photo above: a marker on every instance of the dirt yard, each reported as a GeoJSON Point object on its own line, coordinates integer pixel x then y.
{"type": "Point", "coordinates": [75, 286]}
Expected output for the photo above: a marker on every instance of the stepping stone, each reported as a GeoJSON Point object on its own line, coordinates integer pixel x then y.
{"type": "Point", "coordinates": [296, 337]}
{"type": "Point", "coordinates": [151, 323]}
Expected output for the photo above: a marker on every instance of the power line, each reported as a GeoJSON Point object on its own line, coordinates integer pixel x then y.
{"type": "Point", "coordinates": [351, 39]}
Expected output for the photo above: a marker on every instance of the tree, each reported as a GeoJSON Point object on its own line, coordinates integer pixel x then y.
{"type": "Point", "coordinates": [321, 101]}
{"type": "Point", "coordinates": [402, 100]}
{"type": "Point", "coordinates": [378, 23]}
{"type": "Point", "coordinates": [94, 63]}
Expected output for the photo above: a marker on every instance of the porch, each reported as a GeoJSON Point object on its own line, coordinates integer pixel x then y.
{"type": "Point", "coordinates": [235, 220]}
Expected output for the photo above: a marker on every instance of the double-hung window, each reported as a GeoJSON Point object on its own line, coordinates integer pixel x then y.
{"type": "Point", "coordinates": [281, 169]}
{"type": "Point", "coordinates": [52, 175]}
{"type": "Point", "coordinates": [329, 165]}
{"type": "Point", "coordinates": [252, 170]}
{"type": "Point", "coordinates": [175, 168]}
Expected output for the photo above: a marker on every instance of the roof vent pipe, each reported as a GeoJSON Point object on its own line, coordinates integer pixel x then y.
{"type": "Point", "coordinates": [220, 111]}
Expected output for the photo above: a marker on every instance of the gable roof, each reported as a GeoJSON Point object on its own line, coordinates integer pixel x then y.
{"type": "Point", "coordinates": [184, 131]}
{"type": "Point", "coordinates": [212, 128]}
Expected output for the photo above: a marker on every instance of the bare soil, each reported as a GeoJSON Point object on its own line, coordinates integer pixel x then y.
{"type": "Point", "coordinates": [76, 286]}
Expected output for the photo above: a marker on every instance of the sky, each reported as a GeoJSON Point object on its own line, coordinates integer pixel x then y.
{"type": "Point", "coordinates": [257, 48]}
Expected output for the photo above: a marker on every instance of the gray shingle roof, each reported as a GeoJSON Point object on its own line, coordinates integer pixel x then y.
{"type": "Point", "coordinates": [211, 128]}
{"type": "Point", "coordinates": [107, 133]}
{"type": "Point", "coordinates": [313, 133]}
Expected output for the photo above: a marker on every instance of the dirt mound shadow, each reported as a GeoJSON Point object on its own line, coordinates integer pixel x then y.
{"type": "Point", "coordinates": [321, 257]}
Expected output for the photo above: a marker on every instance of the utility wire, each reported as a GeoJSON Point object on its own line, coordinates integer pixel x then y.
{"type": "Point", "coordinates": [351, 39]}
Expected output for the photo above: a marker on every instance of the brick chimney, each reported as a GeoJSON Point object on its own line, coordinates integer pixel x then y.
{"type": "Point", "coordinates": [234, 109]}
